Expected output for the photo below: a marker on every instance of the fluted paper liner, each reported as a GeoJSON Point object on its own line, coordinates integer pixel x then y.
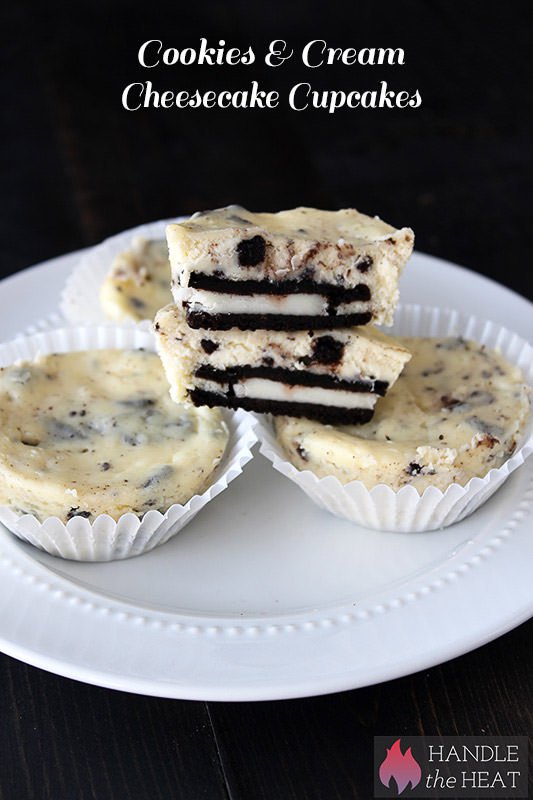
{"type": "Point", "coordinates": [381, 507]}
{"type": "Point", "coordinates": [80, 298]}
{"type": "Point", "coordinates": [105, 539]}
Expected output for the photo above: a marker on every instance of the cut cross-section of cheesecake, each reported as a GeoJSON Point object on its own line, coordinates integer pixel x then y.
{"type": "Point", "coordinates": [296, 269]}
{"type": "Point", "coordinates": [334, 376]}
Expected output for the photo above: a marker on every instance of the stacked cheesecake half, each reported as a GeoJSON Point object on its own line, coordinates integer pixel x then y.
{"type": "Point", "coordinates": [276, 312]}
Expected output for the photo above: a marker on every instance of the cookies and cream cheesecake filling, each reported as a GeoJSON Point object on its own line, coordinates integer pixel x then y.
{"type": "Point", "coordinates": [331, 375]}
{"type": "Point", "coordinates": [287, 270]}
{"type": "Point", "coordinates": [138, 282]}
{"type": "Point", "coordinates": [94, 432]}
{"type": "Point", "coordinates": [457, 411]}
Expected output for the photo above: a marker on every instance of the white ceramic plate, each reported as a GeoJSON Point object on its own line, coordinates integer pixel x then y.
{"type": "Point", "coordinates": [263, 595]}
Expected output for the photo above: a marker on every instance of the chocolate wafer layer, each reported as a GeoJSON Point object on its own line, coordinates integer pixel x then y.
{"type": "Point", "coordinates": [273, 322]}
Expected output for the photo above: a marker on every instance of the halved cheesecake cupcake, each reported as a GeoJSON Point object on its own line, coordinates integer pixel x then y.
{"type": "Point", "coordinates": [334, 376]}
{"type": "Point", "coordinates": [290, 270]}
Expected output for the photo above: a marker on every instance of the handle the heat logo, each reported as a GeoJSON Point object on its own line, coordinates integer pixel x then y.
{"type": "Point", "coordinates": [403, 767]}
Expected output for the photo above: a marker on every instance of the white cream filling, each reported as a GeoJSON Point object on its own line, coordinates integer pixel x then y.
{"type": "Point", "coordinates": [263, 389]}
{"type": "Point", "coordinates": [222, 303]}
{"type": "Point", "coordinates": [294, 304]}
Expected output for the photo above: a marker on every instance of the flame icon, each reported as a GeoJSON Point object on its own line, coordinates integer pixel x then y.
{"type": "Point", "coordinates": [403, 767]}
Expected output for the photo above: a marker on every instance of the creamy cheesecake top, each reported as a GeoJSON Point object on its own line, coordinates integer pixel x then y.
{"type": "Point", "coordinates": [298, 223]}
{"type": "Point", "coordinates": [93, 432]}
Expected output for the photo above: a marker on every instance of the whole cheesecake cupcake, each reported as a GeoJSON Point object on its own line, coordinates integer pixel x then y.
{"type": "Point", "coordinates": [96, 461]}
{"type": "Point", "coordinates": [450, 431]}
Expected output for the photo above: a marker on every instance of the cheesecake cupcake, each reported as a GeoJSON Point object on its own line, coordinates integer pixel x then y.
{"type": "Point", "coordinates": [91, 444]}
{"type": "Point", "coordinates": [447, 434]}
{"type": "Point", "coordinates": [138, 282]}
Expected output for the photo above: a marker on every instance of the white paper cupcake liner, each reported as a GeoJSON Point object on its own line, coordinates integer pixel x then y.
{"type": "Point", "coordinates": [80, 298]}
{"type": "Point", "coordinates": [381, 507]}
{"type": "Point", "coordinates": [105, 539]}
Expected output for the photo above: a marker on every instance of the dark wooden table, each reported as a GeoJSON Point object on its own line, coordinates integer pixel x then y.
{"type": "Point", "coordinates": [76, 167]}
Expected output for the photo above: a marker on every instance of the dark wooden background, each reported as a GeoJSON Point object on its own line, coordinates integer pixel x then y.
{"type": "Point", "coordinates": [76, 167]}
